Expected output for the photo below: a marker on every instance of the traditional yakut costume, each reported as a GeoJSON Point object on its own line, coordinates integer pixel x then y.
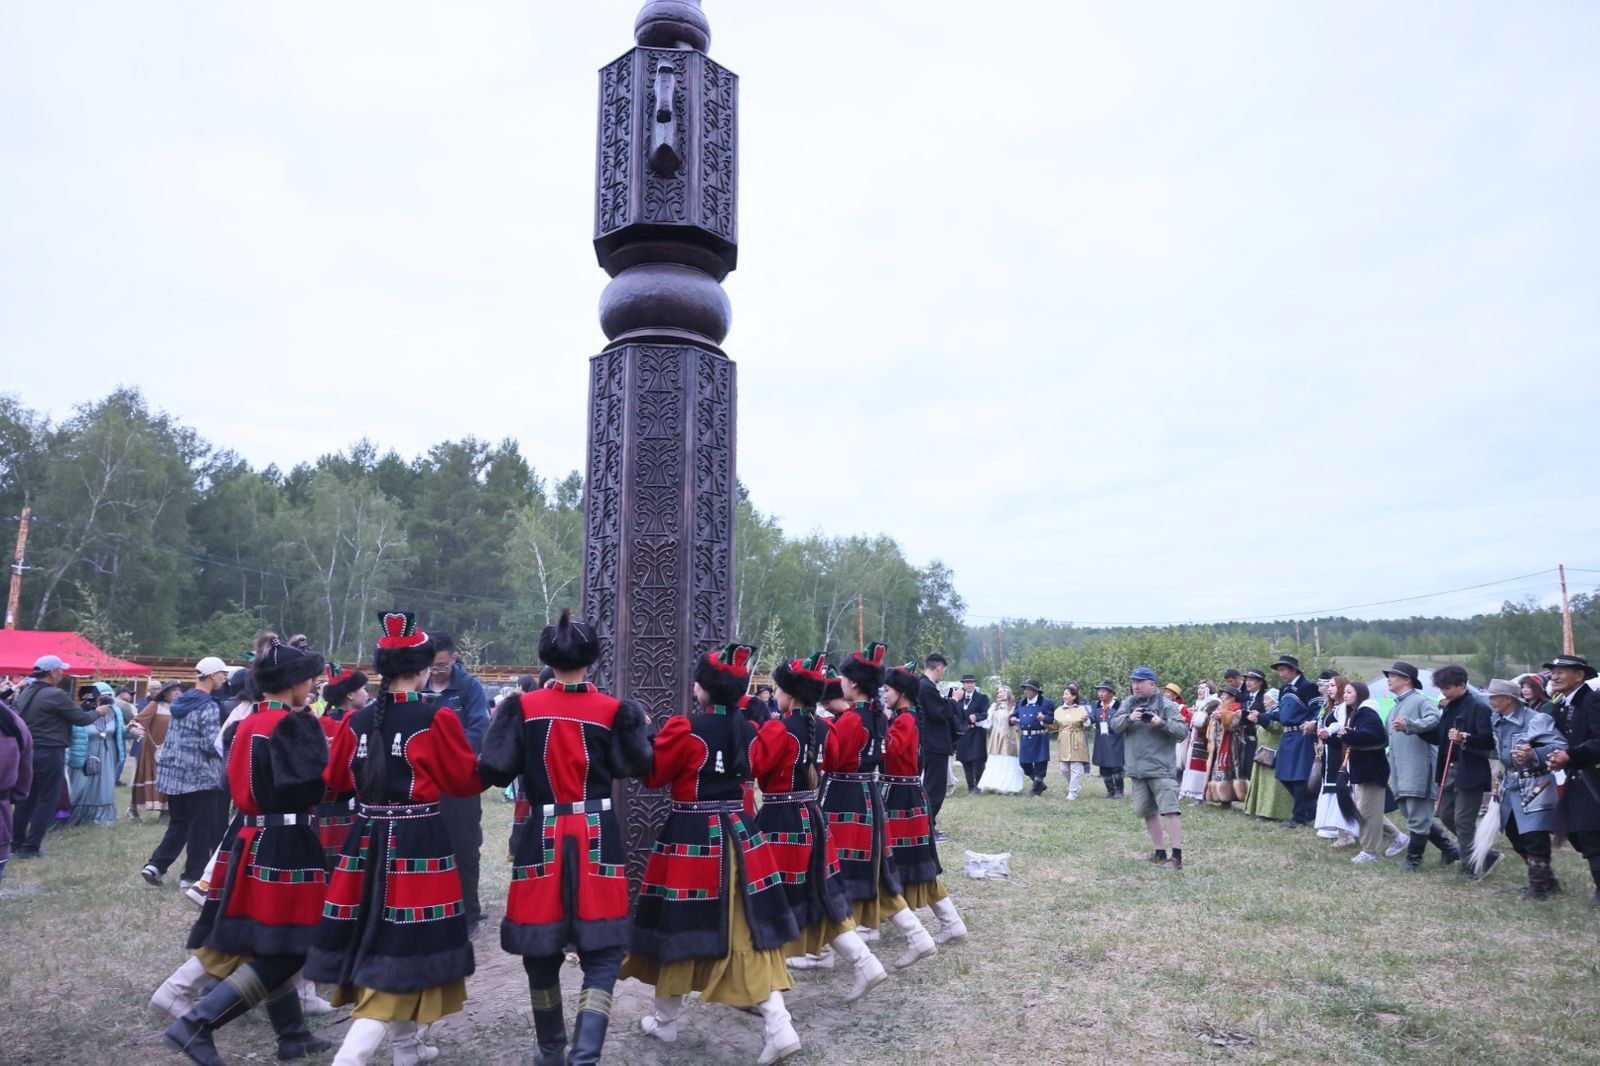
{"type": "Point", "coordinates": [569, 887]}
{"type": "Point", "coordinates": [266, 890]}
{"type": "Point", "coordinates": [393, 937]}
{"type": "Point", "coordinates": [344, 694]}
{"type": "Point", "coordinates": [912, 851]}
{"type": "Point", "coordinates": [857, 821]}
{"type": "Point", "coordinates": [796, 829]}
{"type": "Point", "coordinates": [712, 915]}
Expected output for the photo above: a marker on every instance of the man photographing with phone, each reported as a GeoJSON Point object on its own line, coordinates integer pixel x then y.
{"type": "Point", "coordinates": [1150, 725]}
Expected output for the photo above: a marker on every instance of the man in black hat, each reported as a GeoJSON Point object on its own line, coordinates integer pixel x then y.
{"type": "Point", "coordinates": [1034, 716]}
{"type": "Point", "coordinates": [972, 750]}
{"type": "Point", "coordinates": [937, 721]}
{"type": "Point", "coordinates": [1578, 718]}
{"type": "Point", "coordinates": [1413, 723]}
{"type": "Point", "coordinates": [1292, 680]}
{"type": "Point", "coordinates": [1255, 702]}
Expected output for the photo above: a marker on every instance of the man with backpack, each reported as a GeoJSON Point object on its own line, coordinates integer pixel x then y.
{"type": "Point", "coordinates": [49, 713]}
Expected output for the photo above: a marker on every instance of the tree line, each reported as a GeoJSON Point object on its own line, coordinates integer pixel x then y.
{"type": "Point", "coordinates": [151, 540]}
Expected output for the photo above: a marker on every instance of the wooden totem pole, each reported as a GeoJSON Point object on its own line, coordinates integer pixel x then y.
{"type": "Point", "coordinates": [659, 499]}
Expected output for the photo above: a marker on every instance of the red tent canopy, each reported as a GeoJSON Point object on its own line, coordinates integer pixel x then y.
{"type": "Point", "coordinates": [21, 648]}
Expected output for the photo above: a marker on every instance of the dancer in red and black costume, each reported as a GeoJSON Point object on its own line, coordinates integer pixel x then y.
{"type": "Point", "coordinates": [796, 829]}
{"type": "Point", "coordinates": [856, 821]}
{"type": "Point", "coordinates": [569, 887]}
{"type": "Point", "coordinates": [912, 851]}
{"type": "Point", "coordinates": [712, 915]}
{"type": "Point", "coordinates": [268, 884]}
{"type": "Point", "coordinates": [344, 694]}
{"type": "Point", "coordinates": [393, 938]}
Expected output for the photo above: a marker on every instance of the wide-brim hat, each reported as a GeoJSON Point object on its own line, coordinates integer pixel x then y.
{"type": "Point", "coordinates": [1287, 660]}
{"type": "Point", "coordinates": [1257, 674]}
{"type": "Point", "coordinates": [1405, 670]}
{"type": "Point", "coordinates": [1105, 686]}
{"type": "Point", "coordinates": [1032, 683]}
{"type": "Point", "coordinates": [969, 677]}
{"type": "Point", "coordinates": [1501, 687]}
{"type": "Point", "coordinates": [1172, 687]}
{"type": "Point", "coordinates": [1232, 692]}
{"type": "Point", "coordinates": [1578, 661]}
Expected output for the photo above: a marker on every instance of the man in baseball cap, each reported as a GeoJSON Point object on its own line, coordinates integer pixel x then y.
{"type": "Point", "coordinates": [1150, 725]}
{"type": "Point", "coordinates": [49, 713]}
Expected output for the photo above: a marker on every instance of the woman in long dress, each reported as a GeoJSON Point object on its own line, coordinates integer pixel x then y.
{"type": "Point", "coordinates": [1003, 772]}
{"type": "Point", "coordinates": [150, 729]}
{"type": "Point", "coordinates": [1197, 749]}
{"type": "Point", "coordinates": [94, 798]}
{"type": "Point", "coordinates": [1268, 799]}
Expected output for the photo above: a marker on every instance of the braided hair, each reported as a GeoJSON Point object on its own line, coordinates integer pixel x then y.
{"type": "Point", "coordinates": [724, 675]}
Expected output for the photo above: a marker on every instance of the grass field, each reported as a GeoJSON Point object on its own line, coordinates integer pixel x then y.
{"type": "Point", "coordinates": [1269, 947]}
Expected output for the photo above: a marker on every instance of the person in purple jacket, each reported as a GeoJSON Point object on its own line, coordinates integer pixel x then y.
{"type": "Point", "coordinates": [16, 773]}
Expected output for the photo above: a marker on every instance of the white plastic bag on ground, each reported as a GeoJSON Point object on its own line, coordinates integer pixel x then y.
{"type": "Point", "coordinates": [989, 867]}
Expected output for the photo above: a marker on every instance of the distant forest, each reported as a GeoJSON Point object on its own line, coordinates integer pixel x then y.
{"type": "Point", "coordinates": [149, 539]}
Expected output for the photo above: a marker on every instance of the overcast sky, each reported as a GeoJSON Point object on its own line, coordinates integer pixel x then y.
{"type": "Point", "coordinates": [1150, 311]}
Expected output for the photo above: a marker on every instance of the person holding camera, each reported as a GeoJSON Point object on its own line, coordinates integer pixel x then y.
{"type": "Point", "coordinates": [1150, 725]}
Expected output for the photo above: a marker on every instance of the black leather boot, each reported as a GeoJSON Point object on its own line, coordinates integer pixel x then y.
{"type": "Point", "coordinates": [1448, 853]}
{"type": "Point", "coordinates": [1539, 880]}
{"type": "Point", "coordinates": [589, 1030]}
{"type": "Point", "coordinates": [288, 1021]}
{"type": "Point", "coordinates": [1414, 853]}
{"type": "Point", "coordinates": [191, 1034]}
{"type": "Point", "coordinates": [549, 1026]}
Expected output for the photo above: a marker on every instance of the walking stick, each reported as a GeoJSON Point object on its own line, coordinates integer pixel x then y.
{"type": "Point", "coordinates": [1448, 751]}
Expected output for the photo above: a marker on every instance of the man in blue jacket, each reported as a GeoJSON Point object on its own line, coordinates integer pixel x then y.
{"type": "Point", "coordinates": [452, 686]}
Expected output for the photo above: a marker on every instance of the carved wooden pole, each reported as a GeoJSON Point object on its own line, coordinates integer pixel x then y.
{"type": "Point", "coordinates": [659, 499]}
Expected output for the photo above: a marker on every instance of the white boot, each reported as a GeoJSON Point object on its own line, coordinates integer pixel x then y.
{"type": "Point", "coordinates": [919, 945]}
{"type": "Point", "coordinates": [782, 1041]}
{"type": "Point", "coordinates": [869, 935]}
{"type": "Point", "coordinates": [869, 971]}
{"type": "Point", "coordinates": [409, 1050]}
{"type": "Point", "coordinates": [310, 1002]}
{"type": "Point", "coordinates": [951, 927]}
{"type": "Point", "coordinates": [361, 1042]}
{"type": "Point", "coordinates": [823, 961]}
{"type": "Point", "coordinates": [179, 993]}
{"type": "Point", "coordinates": [663, 1024]}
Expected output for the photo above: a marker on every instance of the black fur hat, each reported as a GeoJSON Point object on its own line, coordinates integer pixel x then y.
{"type": "Point", "coordinates": [865, 667]}
{"type": "Point", "coordinates": [831, 689]}
{"type": "Point", "coordinates": [725, 673]}
{"type": "Point", "coordinates": [804, 679]}
{"type": "Point", "coordinates": [403, 649]}
{"type": "Point", "coordinates": [569, 644]}
{"type": "Point", "coordinates": [904, 680]}
{"type": "Point", "coordinates": [283, 666]}
{"type": "Point", "coordinates": [341, 683]}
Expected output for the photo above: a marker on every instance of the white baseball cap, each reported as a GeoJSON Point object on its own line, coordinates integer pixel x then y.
{"type": "Point", "coordinates": [210, 665]}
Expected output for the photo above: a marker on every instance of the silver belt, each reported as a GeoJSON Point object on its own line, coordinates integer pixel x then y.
{"type": "Point", "coordinates": [262, 821]}
{"type": "Point", "coordinates": [585, 807]}
{"type": "Point", "coordinates": [797, 796]}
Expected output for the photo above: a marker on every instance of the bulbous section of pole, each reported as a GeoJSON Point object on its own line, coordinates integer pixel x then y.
{"type": "Point", "coordinates": [673, 24]}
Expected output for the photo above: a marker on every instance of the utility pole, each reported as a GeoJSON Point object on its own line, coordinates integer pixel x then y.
{"type": "Point", "coordinates": [1000, 646]}
{"type": "Point", "coordinates": [1567, 647]}
{"type": "Point", "coordinates": [1316, 639]}
{"type": "Point", "coordinates": [861, 625]}
{"type": "Point", "coordinates": [1297, 632]}
{"type": "Point", "coordinates": [14, 601]}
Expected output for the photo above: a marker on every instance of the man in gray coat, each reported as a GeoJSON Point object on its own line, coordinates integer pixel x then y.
{"type": "Point", "coordinates": [1150, 726]}
{"type": "Point", "coordinates": [1413, 723]}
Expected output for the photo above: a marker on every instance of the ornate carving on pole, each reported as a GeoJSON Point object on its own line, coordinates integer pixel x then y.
{"type": "Point", "coordinates": [659, 499]}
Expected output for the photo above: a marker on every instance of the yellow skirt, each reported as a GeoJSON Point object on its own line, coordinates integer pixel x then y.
{"type": "Point", "coordinates": [925, 893]}
{"type": "Point", "coordinates": [221, 964]}
{"type": "Point", "coordinates": [816, 936]}
{"type": "Point", "coordinates": [423, 1007]}
{"type": "Point", "coordinates": [871, 913]}
{"type": "Point", "coordinates": [742, 978]}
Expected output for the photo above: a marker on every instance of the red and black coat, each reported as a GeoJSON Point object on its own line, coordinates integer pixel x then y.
{"type": "Point", "coordinates": [792, 821]}
{"type": "Point", "coordinates": [854, 806]}
{"type": "Point", "coordinates": [394, 919]}
{"type": "Point", "coordinates": [908, 836]}
{"type": "Point", "coordinates": [336, 813]}
{"type": "Point", "coordinates": [682, 909]}
{"type": "Point", "coordinates": [569, 882]}
{"type": "Point", "coordinates": [269, 881]}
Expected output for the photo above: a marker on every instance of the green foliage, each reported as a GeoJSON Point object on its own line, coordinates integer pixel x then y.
{"type": "Point", "coordinates": [150, 537]}
{"type": "Point", "coordinates": [1182, 654]}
